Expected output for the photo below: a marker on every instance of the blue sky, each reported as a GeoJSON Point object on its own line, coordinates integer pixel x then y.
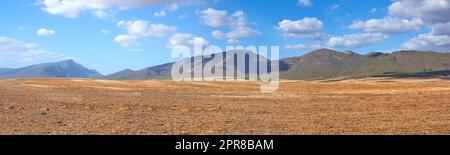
{"type": "Point", "coordinates": [112, 35]}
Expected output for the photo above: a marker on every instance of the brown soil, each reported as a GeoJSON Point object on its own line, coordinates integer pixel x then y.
{"type": "Point", "coordinates": [81, 106]}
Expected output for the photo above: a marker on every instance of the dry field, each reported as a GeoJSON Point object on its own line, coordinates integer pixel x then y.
{"type": "Point", "coordinates": [81, 106]}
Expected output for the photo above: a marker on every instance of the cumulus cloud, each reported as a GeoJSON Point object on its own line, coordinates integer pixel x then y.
{"type": "Point", "coordinates": [302, 47]}
{"type": "Point", "coordinates": [14, 51]}
{"type": "Point", "coordinates": [103, 31]}
{"type": "Point", "coordinates": [183, 16]}
{"type": "Point", "coordinates": [355, 41]}
{"type": "Point", "coordinates": [233, 41]}
{"type": "Point", "coordinates": [334, 7]}
{"type": "Point", "coordinates": [215, 18]}
{"type": "Point", "coordinates": [242, 32]}
{"type": "Point", "coordinates": [160, 14]}
{"type": "Point", "coordinates": [218, 34]}
{"type": "Point", "coordinates": [45, 32]}
{"type": "Point", "coordinates": [302, 28]}
{"type": "Point", "coordinates": [144, 28]}
{"type": "Point", "coordinates": [237, 23]}
{"type": "Point", "coordinates": [129, 40]}
{"type": "Point", "coordinates": [105, 14]}
{"type": "Point", "coordinates": [432, 12]}
{"type": "Point", "coordinates": [239, 27]}
{"type": "Point", "coordinates": [21, 28]}
{"type": "Point", "coordinates": [441, 29]}
{"type": "Point", "coordinates": [388, 25]}
{"type": "Point", "coordinates": [185, 40]}
{"type": "Point", "coordinates": [170, 8]}
{"type": "Point", "coordinates": [72, 8]}
{"type": "Point", "coordinates": [305, 3]}
{"type": "Point", "coordinates": [429, 42]}
{"type": "Point", "coordinates": [138, 30]}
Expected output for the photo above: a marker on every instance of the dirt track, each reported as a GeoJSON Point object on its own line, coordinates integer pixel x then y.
{"type": "Point", "coordinates": [77, 106]}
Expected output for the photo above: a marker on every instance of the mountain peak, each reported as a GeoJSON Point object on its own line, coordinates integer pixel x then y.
{"type": "Point", "coordinates": [67, 61]}
{"type": "Point", "coordinates": [349, 52]}
{"type": "Point", "coordinates": [127, 70]}
{"type": "Point", "coordinates": [322, 52]}
{"type": "Point", "coordinates": [61, 69]}
{"type": "Point", "coordinates": [375, 54]}
{"type": "Point", "coordinates": [325, 63]}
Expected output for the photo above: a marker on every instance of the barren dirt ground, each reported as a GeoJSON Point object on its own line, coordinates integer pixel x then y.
{"type": "Point", "coordinates": [81, 106]}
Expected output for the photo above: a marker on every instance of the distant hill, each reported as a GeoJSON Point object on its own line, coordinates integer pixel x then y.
{"type": "Point", "coordinates": [155, 72]}
{"type": "Point", "coordinates": [2, 70]}
{"type": "Point", "coordinates": [326, 63]}
{"type": "Point", "coordinates": [62, 69]}
{"type": "Point", "coordinates": [164, 71]}
{"type": "Point", "coordinates": [318, 64]}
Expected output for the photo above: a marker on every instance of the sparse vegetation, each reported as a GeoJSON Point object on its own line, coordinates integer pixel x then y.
{"type": "Point", "coordinates": [352, 106]}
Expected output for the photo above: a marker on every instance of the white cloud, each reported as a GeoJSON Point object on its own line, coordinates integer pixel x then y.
{"type": "Point", "coordinates": [237, 23]}
{"type": "Point", "coordinates": [434, 13]}
{"type": "Point", "coordinates": [45, 32]}
{"type": "Point", "coordinates": [429, 42]}
{"type": "Point", "coordinates": [335, 7]}
{"type": "Point", "coordinates": [170, 8]}
{"type": "Point", "coordinates": [218, 34]}
{"type": "Point", "coordinates": [144, 28]}
{"type": "Point", "coordinates": [302, 47]}
{"type": "Point", "coordinates": [160, 14]}
{"type": "Point", "coordinates": [430, 11]}
{"type": "Point", "coordinates": [139, 30]}
{"type": "Point", "coordinates": [373, 10]}
{"type": "Point", "coordinates": [105, 14]}
{"type": "Point", "coordinates": [302, 28]}
{"type": "Point", "coordinates": [105, 31]}
{"type": "Point", "coordinates": [185, 40]}
{"type": "Point", "coordinates": [388, 25]}
{"type": "Point", "coordinates": [354, 41]}
{"type": "Point", "coordinates": [242, 32]}
{"type": "Point", "coordinates": [72, 8]}
{"type": "Point", "coordinates": [21, 28]}
{"type": "Point", "coordinates": [183, 16]}
{"type": "Point", "coordinates": [239, 28]}
{"type": "Point", "coordinates": [233, 41]}
{"type": "Point", "coordinates": [441, 29]}
{"type": "Point", "coordinates": [305, 3]}
{"type": "Point", "coordinates": [129, 40]}
{"type": "Point", "coordinates": [215, 18]}
{"type": "Point", "coordinates": [135, 50]}
{"type": "Point", "coordinates": [13, 52]}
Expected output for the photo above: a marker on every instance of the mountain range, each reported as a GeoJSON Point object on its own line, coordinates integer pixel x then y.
{"type": "Point", "coordinates": [61, 69]}
{"type": "Point", "coordinates": [164, 71]}
{"type": "Point", "coordinates": [318, 64]}
{"type": "Point", "coordinates": [326, 63]}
